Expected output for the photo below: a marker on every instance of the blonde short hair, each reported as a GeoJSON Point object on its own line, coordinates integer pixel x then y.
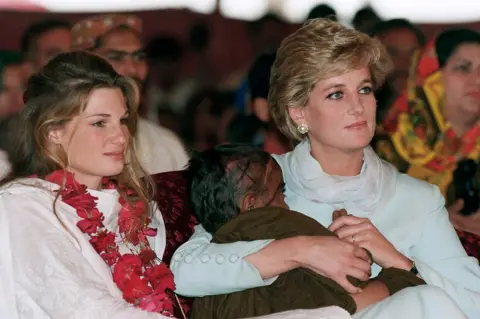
{"type": "Point", "coordinates": [319, 50]}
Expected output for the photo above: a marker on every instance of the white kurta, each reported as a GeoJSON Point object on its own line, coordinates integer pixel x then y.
{"type": "Point", "coordinates": [48, 269]}
{"type": "Point", "coordinates": [159, 149]}
{"type": "Point", "coordinates": [4, 164]}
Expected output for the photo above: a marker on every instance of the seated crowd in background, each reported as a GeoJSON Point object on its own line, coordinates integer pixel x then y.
{"type": "Point", "coordinates": [426, 121]}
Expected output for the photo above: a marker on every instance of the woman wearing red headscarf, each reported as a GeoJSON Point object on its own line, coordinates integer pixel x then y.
{"type": "Point", "coordinates": [435, 124]}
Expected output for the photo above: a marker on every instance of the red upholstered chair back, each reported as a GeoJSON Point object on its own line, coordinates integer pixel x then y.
{"type": "Point", "coordinates": [173, 202]}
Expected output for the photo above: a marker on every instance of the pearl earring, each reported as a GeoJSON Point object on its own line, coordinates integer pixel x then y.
{"type": "Point", "coordinates": [302, 128]}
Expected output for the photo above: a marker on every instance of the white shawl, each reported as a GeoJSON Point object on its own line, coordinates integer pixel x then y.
{"type": "Point", "coordinates": [361, 195]}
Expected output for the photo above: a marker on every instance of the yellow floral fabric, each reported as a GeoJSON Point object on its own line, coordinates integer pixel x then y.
{"type": "Point", "coordinates": [416, 137]}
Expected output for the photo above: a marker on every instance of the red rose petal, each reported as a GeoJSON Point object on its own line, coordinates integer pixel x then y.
{"type": "Point", "coordinates": [143, 284]}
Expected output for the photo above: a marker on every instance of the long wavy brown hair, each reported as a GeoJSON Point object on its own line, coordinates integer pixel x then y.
{"type": "Point", "coordinates": [56, 95]}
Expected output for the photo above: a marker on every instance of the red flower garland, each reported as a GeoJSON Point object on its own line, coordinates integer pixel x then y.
{"type": "Point", "coordinates": [144, 282]}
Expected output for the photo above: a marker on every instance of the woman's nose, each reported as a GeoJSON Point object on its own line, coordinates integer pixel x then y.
{"type": "Point", "coordinates": [120, 135]}
{"type": "Point", "coordinates": [356, 105]}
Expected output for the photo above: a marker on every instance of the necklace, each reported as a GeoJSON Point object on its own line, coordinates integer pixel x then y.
{"type": "Point", "coordinates": [144, 280]}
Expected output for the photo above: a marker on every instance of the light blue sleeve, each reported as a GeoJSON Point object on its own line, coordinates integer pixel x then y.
{"type": "Point", "coordinates": [442, 261]}
{"type": "Point", "coordinates": [202, 268]}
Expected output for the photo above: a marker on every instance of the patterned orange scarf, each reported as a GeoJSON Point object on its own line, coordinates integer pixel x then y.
{"type": "Point", "coordinates": [422, 142]}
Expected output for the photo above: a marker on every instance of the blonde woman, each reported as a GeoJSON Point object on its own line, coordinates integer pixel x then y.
{"type": "Point", "coordinates": [321, 95]}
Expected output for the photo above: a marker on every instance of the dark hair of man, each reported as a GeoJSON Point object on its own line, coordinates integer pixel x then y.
{"type": "Point", "coordinates": [165, 49]}
{"type": "Point", "coordinates": [388, 25]}
{"type": "Point", "coordinates": [29, 39]}
{"type": "Point", "coordinates": [216, 102]}
{"type": "Point", "coordinates": [365, 19]}
{"type": "Point", "coordinates": [322, 11]}
{"type": "Point", "coordinates": [259, 76]}
{"type": "Point", "coordinates": [220, 177]}
{"type": "Point", "coordinates": [254, 27]}
{"type": "Point", "coordinates": [199, 36]}
{"type": "Point", "coordinates": [245, 128]}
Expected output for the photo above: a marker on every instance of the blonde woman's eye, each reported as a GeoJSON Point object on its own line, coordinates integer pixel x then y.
{"type": "Point", "coordinates": [366, 90]}
{"type": "Point", "coordinates": [335, 95]}
{"type": "Point", "coordinates": [99, 124]}
{"type": "Point", "coordinates": [124, 121]}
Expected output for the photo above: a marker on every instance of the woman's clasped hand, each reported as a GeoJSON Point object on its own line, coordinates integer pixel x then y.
{"type": "Point", "coordinates": [362, 233]}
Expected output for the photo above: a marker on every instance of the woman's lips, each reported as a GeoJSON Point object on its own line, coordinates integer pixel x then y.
{"type": "Point", "coordinates": [357, 125]}
{"type": "Point", "coordinates": [115, 155]}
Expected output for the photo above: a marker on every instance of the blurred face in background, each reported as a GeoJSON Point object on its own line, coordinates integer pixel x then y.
{"type": "Point", "coordinates": [123, 49]}
{"type": "Point", "coordinates": [461, 77]}
{"type": "Point", "coordinates": [259, 107]}
{"type": "Point", "coordinates": [13, 81]}
{"type": "Point", "coordinates": [49, 45]}
{"type": "Point", "coordinates": [401, 44]}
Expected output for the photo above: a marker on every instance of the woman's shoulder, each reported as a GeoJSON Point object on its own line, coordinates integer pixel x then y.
{"type": "Point", "coordinates": [415, 185]}
{"type": "Point", "coordinates": [411, 191]}
{"type": "Point", "coordinates": [29, 202]}
{"type": "Point", "coordinates": [283, 159]}
{"type": "Point", "coordinates": [25, 189]}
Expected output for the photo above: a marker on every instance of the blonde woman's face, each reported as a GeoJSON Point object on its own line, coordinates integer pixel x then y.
{"type": "Point", "coordinates": [340, 113]}
{"type": "Point", "coordinates": [97, 139]}
{"type": "Point", "coordinates": [461, 76]}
